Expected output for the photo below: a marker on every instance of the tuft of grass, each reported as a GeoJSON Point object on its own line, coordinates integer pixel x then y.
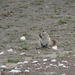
{"type": "Point", "coordinates": [1, 1]}
{"type": "Point", "coordinates": [40, 8]}
{"type": "Point", "coordinates": [51, 16]}
{"type": "Point", "coordinates": [23, 15]}
{"type": "Point", "coordinates": [38, 2]}
{"type": "Point", "coordinates": [33, 28]}
{"type": "Point", "coordinates": [51, 33]}
{"type": "Point", "coordinates": [1, 26]}
{"type": "Point", "coordinates": [25, 34]}
{"type": "Point", "coordinates": [66, 43]}
{"type": "Point", "coordinates": [25, 47]}
{"type": "Point", "coordinates": [13, 60]}
{"type": "Point", "coordinates": [62, 21]}
{"type": "Point", "coordinates": [56, 8]}
{"type": "Point", "coordinates": [64, 29]}
{"type": "Point", "coordinates": [25, 6]}
{"type": "Point", "coordinates": [68, 54]}
{"type": "Point", "coordinates": [8, 25]}
{"type": "Point", "coordinates": [70, 1]}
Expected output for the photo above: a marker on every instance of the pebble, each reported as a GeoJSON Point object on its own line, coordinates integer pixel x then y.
{"type": "Point", "coordinates": [54, 47]}
{"type": "Point", "coordinates": [26, 70]}
{"type": "Point", "coordinates": [22, 53]}
{"type": "Point", "coordinates": [3, 66]}
{"type": "Point", "coordinates": [10, 50]}
{"type": "Point", "coordinates": [23, 38]}
{"type": "Point", "coordinates": [34, 61]}
{"type": "Point", "coordinates": [15, 71]}
{"type": "Point", "coordinates": [44, 60]}
{"type": "Point", "coordinates": [54, 60]}
{"type": "Point", "coordinates": [1, 53]}
{"type": "Point", "coordinates": [25, 62]}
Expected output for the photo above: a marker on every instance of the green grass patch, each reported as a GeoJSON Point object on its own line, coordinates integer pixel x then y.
{"type": "Point", "coordinates": [1, 1]}
{"type": "Point", "coordinates": [13, 60]}
{"type": "Point", "coordinates": [62, 21]}
{"type": "Point", "coordinates": [25, 47]}
{"type": "Point", "coordinates": [68, 54]}
{"type": "Point", "coordinates": [38, 2]}
{"type": "Point", "coordinates": [23, 15]}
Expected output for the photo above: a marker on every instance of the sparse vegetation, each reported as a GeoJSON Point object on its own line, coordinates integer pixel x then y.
{"type": "Point", "coordinates": [62, 21]}
{"type": "Point", "coordinates": [23, 15]}
{"type": "Point", "coordinates": [38, 2]}
{"type": "Point", "coordinates": [26, 19]}
{"type": "Point", "coordinates": [69, 54]}
{"type": "Point", "coordinates": [13, 60]}
{"type": "Point", "coordinates": [25, 33]}
{"type": "Point", "coordinates": [1, 1]}
{"type": "Point", "coordinates": [56, 8]}
{"type": "Point", "coordinates": [23, 45]}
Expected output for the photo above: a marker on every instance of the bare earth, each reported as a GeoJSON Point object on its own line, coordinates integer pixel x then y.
{"type": "Point", "coordinates": [27, 18]}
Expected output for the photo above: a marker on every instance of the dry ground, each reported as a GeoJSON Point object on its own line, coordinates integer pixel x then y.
{"type": "Point", "coordinates": [27, 18]}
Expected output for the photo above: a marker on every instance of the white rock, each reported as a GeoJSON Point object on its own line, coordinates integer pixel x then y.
{"type": "Point", "coordinates": [29, 68]}
{"type": "Point", "coordinates": [53, 65]}
{"type": "Point", "coordinates": [59, 64]}
{"type": "Point", "coordinates": [46, 6]}
{"type": "Point", "coordinates": [44, 63]}
{"type": "Point", "coordinates": [64, 61]}
{"type": "Point", "coordinates": [34, 61]}
{"type": "Point", "coordinates": [62, 65]}
{"type": "Point", "coordinates": [16, 68]}
{"type": "Point", "coordinates": [23, 38]}
{"type": "Point", "coordinates": [25, 62]}
{"type": "Point", "coordinates": [15, 71]}
{"type": "Point", "coordinates": [54, 60]}
{"type": "Point", "coordinates": [44, 60]}
{"type": "Point", "coordinates": [38, 68]}
{"type": "Point", "coordinates": [10, 50]}
{"type": "Point", "coordinates": [22, 53]}
{"type": "Point", "coordinates": [19, 63]}
{"type": "Point", "coordinates": [53, 73]}
{"type": "Point", "coordinates": [54, 47]}
{"type": "Point", "coordinates": [38, 52]}
{"type": "Point", "coordinates": [26, 70]}
{"type": "Point", "coordinates": [1, 53]}
{"type": "Point", "coordinates": [3, 66]}
{"type": "Point", "coordinates": [63, 74]}
{"type": "Point", "coordinates": [74, 64]}
{"type": "Point", "coordinates": [38, 63]}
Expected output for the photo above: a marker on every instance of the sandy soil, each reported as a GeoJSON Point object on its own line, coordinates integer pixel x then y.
{"type": "Point", "coordinates": [27, 18]}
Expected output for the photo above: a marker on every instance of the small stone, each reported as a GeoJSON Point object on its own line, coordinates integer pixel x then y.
{"type": "Point", "coordinates": [19, 63]}
{"type": "Point", "coordinates": [54, 47]}
{"type": "Point", "coordinates": [22, 53]}
{"type": "Point", "coordinates": [26, 70]}
{"type": "Point", "coordinates": [3, 66]}
{"type": "Point", "coordinates": [54, 60]}
{"type": "Point", "coordinates": [25, 62]}
{"type": "Point", "coordinates": [44, 60]}
{"type": "Point", "coordinates": [1, 53]}
{"type": "Point", "coordinates": [34, 61]}
{"type": "Point", "coordinates": [10, 50]}
{"type": "Point", "coordinates": [23, 38]}
{"type": "Point", "coordinates": [63, 74]}
{"type": "Point", "coordinates": [15, 71]}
